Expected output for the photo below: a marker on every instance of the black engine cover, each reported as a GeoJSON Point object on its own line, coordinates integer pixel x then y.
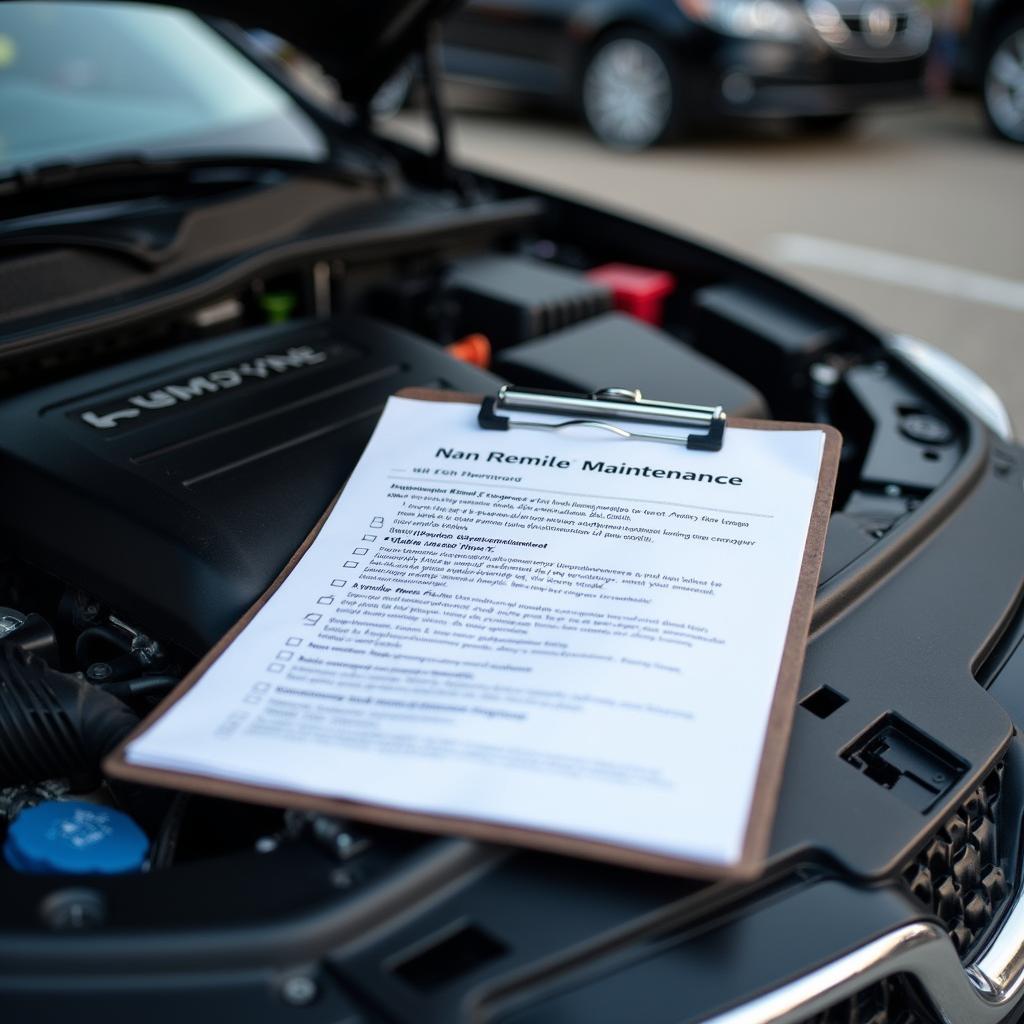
{"type": "Point", "coordinates": [175, 487]}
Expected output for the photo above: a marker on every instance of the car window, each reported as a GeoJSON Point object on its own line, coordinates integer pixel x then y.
{"type": "Point", "coordinates": [80, 80]}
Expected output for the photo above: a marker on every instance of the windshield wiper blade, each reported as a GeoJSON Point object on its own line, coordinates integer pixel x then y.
{"type": "Point", "coordinates": [137, 167]}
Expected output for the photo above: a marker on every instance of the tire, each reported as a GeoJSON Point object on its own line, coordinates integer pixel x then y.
{"type": "Point", "coordinates": [1002, 82]}
{"type": "Point", "coordinates": [629, 91]}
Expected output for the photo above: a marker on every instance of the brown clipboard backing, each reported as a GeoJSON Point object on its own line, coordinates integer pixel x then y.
{"type": "Point", "coordinates": [772, 756]}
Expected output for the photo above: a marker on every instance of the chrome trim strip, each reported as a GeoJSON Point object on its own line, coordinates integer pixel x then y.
{"type": "Point", "coordinates": [998, 971]}
{"type": "Point", "coordinates": [983, 992]}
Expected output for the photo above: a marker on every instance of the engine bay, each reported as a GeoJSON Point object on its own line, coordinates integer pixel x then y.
{"type": "Point", "coordinates": [165, 455]}
{"type": "Point", "coordinates": [153, 499]}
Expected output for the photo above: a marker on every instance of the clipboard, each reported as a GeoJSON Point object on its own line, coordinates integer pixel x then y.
{"type": "Point", "coordinates": [624, 408]}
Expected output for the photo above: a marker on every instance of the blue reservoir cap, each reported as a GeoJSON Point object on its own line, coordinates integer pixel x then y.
{"type": "Point", "coordinates": [72, 837]}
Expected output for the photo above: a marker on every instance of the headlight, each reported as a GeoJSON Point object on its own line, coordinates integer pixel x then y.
{"type": "Point", "coordinates": [963, 384]}
{"type": "Point", "coordinates": [825, 17]}
{"type": "Point", "coordinates": [750, 19]}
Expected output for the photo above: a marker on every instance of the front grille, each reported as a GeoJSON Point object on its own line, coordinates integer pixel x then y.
{"type": "Point", "coordinates": [886, 30]}
{"type": "Point", "coordinates": [891, 1001]}
{"type": "Point", "coordinates": [855, 23]}
{"type": "Point", "coordinates": [957, 876]}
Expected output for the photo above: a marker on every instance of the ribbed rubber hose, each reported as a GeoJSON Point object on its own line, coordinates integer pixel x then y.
{"type": "Point", "coordinates": [52, 725]}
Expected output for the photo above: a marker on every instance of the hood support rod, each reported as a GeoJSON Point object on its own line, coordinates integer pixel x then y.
{"type": "Point", "coordinates": [431, 62]}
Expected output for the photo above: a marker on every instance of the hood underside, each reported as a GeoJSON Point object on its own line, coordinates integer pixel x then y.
{"type": "Point", "coordinates": [359, 43]}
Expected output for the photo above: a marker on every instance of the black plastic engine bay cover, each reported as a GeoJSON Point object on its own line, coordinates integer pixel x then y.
{"type": "Point", "coordinates": [178, 485]}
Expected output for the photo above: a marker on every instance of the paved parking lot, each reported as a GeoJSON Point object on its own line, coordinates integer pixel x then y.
{"type": "Point", "coordinates": [915, 219]}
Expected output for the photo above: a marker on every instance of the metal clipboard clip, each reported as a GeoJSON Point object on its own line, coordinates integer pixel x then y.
{"type": "Point", "coordinates": [609, 403]}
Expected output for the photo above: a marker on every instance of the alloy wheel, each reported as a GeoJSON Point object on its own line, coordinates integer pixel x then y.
{"type": "Point", "coordinates": [628, 94]}
{"type": "Point", "coordinates": [1004, 86]}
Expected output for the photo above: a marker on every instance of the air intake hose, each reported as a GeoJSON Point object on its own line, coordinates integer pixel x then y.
{"type": "Point", "coordinates": [52, 725]}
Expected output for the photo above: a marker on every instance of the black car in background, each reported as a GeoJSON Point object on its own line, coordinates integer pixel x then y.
{"type": "Point", "coordinates": [991, 60]}
{"type": "Point", "coordinates": [640, 71]}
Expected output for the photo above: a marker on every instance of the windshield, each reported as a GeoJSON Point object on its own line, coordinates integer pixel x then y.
{"type": "Point", "coordinates": [82, 81]}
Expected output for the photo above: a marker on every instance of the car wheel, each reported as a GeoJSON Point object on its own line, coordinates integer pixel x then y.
{"type": "Point", "coordinates": [1003, 83]}
{"type": "Point", "coordinates": [629, 92]}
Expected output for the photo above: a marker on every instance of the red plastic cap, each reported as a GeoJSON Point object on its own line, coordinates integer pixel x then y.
{"type": "Point", "coordinates": [473, 348]}
{"type": "Point", "coordinates": [639, 291]}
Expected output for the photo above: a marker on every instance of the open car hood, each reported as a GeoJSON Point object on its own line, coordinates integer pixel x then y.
{"type": "Point", "coordinates": [359, 42]}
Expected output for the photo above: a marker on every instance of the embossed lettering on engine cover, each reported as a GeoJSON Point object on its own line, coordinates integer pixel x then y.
{"type": "Point", "coordinates": [201, 385]}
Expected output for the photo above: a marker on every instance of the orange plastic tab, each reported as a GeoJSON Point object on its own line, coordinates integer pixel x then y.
{"type": "Point", "coordinates": [473, 348]}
